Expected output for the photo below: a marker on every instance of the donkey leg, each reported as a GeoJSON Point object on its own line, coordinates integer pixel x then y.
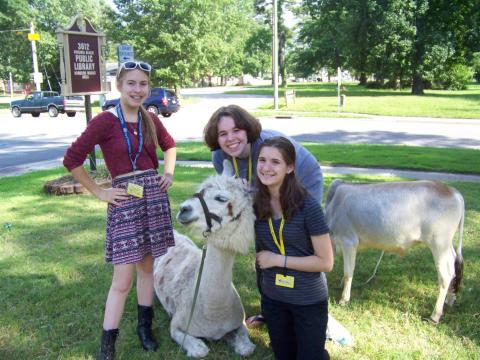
{"type": "Point", "coordinates": [240, 341]}
{"type": "Point", "coordinates": [444, 262]}
{"type": "Point", "coordinates": [349, 256]}
{"type": "Point", "coordinates": [193, 346]}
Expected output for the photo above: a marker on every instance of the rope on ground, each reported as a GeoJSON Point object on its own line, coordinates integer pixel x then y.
{"type": "Point", "coordinates": [370, 278]}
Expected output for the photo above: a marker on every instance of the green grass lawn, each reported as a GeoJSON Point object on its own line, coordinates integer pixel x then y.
{"type": "Point", "coordinates": [453, 160]}
{"type": "Point", "coordinates": [320, 99]}
{"type": "Point", "coordinates": [53, 285]}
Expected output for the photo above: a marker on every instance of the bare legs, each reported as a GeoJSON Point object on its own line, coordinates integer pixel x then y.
{"type": "Point", "coordinates": [121, 285]}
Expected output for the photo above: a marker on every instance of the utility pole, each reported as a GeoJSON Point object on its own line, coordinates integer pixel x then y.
{"type": "Point", "coordinates": [46, 76]}
{"type": "Point", "coordinates": [11, 84]}
{"type": "Point", "coordinates": [36, 74]}
{"type": "Point", "coordinates": [275, 54]}
{"type": "Point", "coordinates": [10, 78]}
{"type": "Point", "coordinates": [37, 77]}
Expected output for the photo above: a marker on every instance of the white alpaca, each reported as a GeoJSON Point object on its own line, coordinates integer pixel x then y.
{"type": "Point", "coordinates": [218, 311]}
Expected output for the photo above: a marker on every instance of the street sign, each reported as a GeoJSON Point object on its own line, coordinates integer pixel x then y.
{"type": "Point", "coordinates": [33, 36]}
{"type": "Point", "coordinates": [125, 53]}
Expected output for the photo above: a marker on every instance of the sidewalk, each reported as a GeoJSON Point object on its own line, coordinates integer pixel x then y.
{"type": "Point", "coordinates": [420, 175]}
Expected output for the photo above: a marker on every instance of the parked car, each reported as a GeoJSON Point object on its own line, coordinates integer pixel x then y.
{"type": "Point", "coordinates": [47, 101]}
{"type": "Point", "coordinates": [161, 101]}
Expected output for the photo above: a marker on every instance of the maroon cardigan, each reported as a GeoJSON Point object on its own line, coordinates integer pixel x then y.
{"type": "Point", "coordinates": [106, 131]}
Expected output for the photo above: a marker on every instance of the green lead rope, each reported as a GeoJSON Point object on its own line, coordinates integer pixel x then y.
{"type": "Point", "coordinates": [195, 295]}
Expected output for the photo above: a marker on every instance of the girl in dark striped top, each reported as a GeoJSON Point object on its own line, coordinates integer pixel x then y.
{"type": "Point", "coordinates": [293, 251]}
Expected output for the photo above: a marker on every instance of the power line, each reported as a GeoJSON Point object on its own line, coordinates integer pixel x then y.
{"type": "Point", "coordinates": [1, 31]}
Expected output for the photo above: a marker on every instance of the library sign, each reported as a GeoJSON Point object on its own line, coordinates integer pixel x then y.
{"type": "Point", "coordinates": [82, 58]}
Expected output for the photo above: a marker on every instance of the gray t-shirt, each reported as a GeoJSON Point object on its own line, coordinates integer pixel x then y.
{"type": "Point", "coordinates": [307, 168]}
{"type": "Point", "coordinates": [310, 287]}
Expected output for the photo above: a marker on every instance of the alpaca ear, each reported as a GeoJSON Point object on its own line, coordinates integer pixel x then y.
{"type": "Point", "coordinates": [228, 170]}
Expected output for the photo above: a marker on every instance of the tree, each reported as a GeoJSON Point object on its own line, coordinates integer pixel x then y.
{"type": "Point", "coordinates": [322, 37]}
{"type": "Point", "coordinates": [476, 65]}
{"type": "Point", "coordinates": [264, 11]}
{"type": "Point", "coordinates": [15, 47]}
{"type": "Point", "coordinates": [258, 51]}
{"type": "Point", "coordinates": [187, 40]}
{"type": "Point", "coordinates": [396, 40]}
{"type": "Point", "coordinates": [445, 28]}
{"type": "Point", "coordinates": [390, 41]}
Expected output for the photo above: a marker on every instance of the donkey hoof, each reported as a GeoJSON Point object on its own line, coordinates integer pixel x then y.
{"type": "Point", "coordinates": [432, 320]}
{"type": "Point", "coordinates": [199, 350]}
{"type": "Point", "coordinates": [343, 302]}
{"type": "Point", "coordinates": [450, 299]}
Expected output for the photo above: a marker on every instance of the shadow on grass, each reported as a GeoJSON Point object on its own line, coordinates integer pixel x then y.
{"type": "Point", "coordinates": [385, 138]}
{"type": "Point", "coordinates": [330, 90]}
{"type": "Point", "coordinates": [408, 285]}
{"type": "Point", "coordinates": [55, 282]}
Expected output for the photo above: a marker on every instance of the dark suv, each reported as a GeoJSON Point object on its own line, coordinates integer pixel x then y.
{"type": "Point", "coordinates": [161, 101]}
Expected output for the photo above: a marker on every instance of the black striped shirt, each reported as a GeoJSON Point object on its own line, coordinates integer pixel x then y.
{"type": "Point", "coordinates": [310, 287]}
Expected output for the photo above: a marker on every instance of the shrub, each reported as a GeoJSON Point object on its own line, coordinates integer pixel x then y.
{"type": "Point", "coordinates": [456, 77]}
{"type": "Point", "coordinates": [374, 85]}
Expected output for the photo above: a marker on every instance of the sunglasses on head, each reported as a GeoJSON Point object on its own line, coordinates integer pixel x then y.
{"type": "Point", "coordinates": [132, 65]}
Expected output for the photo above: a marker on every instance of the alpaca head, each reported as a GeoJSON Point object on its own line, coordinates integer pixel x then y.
{"type": "Point", "coordinates": [229, 205]}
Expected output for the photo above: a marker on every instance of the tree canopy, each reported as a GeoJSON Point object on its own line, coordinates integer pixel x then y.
{"type": "Point", "coordinates": [395, 43]}
{"type": "Point", "coordinates": [416, 42]}
{"type": "Point", "coordinates": [188, 40]}
{"type": "Point", "coordinates": [47, 16]}
{"type": "Point", "coordinates": [184, 41]}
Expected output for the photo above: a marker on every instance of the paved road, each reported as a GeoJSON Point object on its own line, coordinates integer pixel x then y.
{"type": "Point", "coordinates": [26, 142]}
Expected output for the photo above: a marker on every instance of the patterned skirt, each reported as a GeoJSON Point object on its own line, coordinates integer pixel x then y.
{"type": "Point", "coordinates": [139, 226]}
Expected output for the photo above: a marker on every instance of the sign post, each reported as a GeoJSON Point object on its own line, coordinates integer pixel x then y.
{"type": "Point", "coordinates": [83, 64]}
{"type": "Point", "coordinates": [33, 37]}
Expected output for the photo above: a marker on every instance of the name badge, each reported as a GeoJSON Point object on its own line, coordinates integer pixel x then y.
{"type": "Point", "coordinates": [285, 281]}
{"type": "Point", "coordinates": [135, 190]}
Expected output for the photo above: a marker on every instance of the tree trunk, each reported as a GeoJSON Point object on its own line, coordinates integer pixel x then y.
{"type": "Point", "coordinates": [418, 56]}
{"type": "Point", "coordinates": [417, 85]}
{"type": "Point", "coordinates": [177, 90]}
{"type": "Point", "coordinates": [363, 78]}
{"type": "Point", "coordinates": [281, 62]}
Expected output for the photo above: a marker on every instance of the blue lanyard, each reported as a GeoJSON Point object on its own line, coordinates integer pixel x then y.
{"type": "Point", "coordinates": [133, 159]}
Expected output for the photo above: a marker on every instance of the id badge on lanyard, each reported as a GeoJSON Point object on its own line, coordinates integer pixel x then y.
{"type": "Point", "coordinates": [135, 190]}
{"type": "Point", "coordinates": [283, 280]}
{"type": "Point", "coordinates": [132, 188]}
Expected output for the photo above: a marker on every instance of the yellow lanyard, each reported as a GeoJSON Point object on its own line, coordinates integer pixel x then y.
{"type": "Point", "coordinates": [280, 244]}
{"type": "Point", "coordinates": [235, 165]}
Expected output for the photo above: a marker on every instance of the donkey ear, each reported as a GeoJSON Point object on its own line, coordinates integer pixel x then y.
{"type": "Point", "coordinates": [228, 170]}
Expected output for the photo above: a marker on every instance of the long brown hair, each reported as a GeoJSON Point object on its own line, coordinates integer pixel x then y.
{"type": "Point", "coordinates": [292, 193]}
{"type": "Point", "coordinates": [149, 132]}
{"type": "Point", "coordinates": [242, 118]}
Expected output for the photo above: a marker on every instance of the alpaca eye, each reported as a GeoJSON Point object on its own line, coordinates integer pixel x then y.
{"type": "Point", "coordinates": [221, 198]}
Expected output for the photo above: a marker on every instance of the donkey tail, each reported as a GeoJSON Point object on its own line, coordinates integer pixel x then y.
{"type": "Point", "coordinates": [457, 279]}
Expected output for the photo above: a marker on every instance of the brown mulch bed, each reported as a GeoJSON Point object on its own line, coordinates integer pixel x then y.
{"type": "Point", "coordinates": [67, 185]}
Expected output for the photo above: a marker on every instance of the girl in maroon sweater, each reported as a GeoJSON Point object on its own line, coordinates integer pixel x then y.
{"type": "Point", "coordinates": [139, 226]}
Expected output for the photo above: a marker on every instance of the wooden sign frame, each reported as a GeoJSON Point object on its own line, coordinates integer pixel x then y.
{"type": "Point", "coordinates": [82, 58]}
